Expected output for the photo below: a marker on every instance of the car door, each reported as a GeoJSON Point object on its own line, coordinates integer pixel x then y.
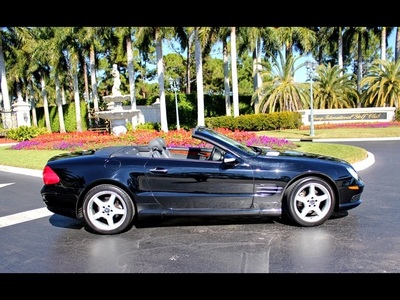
{"type": "Point", "coordinates": [198, 184]}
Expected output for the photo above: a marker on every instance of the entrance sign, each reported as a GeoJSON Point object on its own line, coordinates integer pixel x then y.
{"type": "Point", "coordinates": [349, 115]}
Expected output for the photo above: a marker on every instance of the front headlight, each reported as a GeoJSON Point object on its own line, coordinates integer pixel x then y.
{"type": "Point", "coordinates": [352, 172]}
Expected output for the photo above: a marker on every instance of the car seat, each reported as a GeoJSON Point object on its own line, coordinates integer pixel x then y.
{"type": "Point", "coordinates": [158, 148]}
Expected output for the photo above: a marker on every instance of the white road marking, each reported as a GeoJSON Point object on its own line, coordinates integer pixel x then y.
{"type": "Point", "coordinates": [24, 216]}
{"type": "Point", "coordinates": [5, 184]}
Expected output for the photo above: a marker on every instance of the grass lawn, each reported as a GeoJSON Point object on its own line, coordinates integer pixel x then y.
{"type": "Point", "coordinates": [335, 133]}
{"type": "Point", "coordinates": [31, 159]}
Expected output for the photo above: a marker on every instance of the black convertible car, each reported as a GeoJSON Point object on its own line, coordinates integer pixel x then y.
{"type": "Point", "coordinates": [112, 187]}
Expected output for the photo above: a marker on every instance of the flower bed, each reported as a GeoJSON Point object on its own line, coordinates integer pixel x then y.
{"type": "Point", "coordinates": [175, 138]}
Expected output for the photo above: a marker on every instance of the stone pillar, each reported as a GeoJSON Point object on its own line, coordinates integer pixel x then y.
{"type": "Point", "coordinates": [23, 113]}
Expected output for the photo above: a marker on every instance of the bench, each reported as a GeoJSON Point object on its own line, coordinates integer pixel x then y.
{"type": "Point", "coordinates": [99, 129]}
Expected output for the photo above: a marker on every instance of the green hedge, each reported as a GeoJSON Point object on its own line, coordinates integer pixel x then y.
{"type": "Point", "coordinates": [69, 117]}
{"type": "Point", "coordinates": [257, 122]}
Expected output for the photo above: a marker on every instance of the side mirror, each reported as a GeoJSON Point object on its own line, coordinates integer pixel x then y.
{"type": "Point", "coordinates": [229, 159]}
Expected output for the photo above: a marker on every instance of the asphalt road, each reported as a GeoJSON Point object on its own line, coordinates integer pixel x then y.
{"type": "Point", "coordinates": [366, 240]}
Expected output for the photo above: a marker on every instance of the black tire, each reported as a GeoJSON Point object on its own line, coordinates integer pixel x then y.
{"type": "Point", "coordinates": [108, 209]}
{"type": "Point", "coordinates": [309, 201]}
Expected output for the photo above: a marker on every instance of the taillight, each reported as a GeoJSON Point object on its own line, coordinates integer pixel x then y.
{"type": "Point", "coordinates": [49, 176]}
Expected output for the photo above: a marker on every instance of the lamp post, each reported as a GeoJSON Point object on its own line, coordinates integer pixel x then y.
{"type": "Point", "coordinates": [174, 83]}
{"type": "Point", "coordinates": [311, 65]}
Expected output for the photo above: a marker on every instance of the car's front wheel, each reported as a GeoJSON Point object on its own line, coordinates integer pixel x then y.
{"type": "Point", "coordinates": [309, 201]}
{"type": "Point", "coordinates": [108, 209]}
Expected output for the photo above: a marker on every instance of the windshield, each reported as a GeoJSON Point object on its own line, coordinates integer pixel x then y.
{"type": "Point", "coordinates": [247, 149]}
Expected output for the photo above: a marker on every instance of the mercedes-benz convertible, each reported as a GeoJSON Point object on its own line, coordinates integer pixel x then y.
{"type": "Point", "coordinates": [112, 188]}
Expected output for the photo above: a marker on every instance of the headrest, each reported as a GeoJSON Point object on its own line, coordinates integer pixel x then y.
{"type": "Point", "coordinates": [157, 144]}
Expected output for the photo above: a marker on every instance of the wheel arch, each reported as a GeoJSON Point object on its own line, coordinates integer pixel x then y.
{"type": "Point", "coordinates": [328, 179]}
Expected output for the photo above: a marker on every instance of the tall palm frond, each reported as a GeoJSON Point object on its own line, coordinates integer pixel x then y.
{"type": "Point", "coordinates": [279, 91]}
{"type": "Point", "coordinates": [382, 84]}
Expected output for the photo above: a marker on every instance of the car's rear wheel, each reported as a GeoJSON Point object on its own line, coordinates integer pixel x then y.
{"type": "Point", "coordinates": [108, 209]}
{"type": "Point", "coordinates": [309, 201]}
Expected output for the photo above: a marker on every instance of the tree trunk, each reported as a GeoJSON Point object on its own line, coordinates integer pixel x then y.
{"type": "Point", "coordinates": [199, 79]}
{"type": "Point", "coordinates": [7, 121]}
{"type": "Point", "coordinates": [397, 44]}
{"type": "Point", "coordinates": [85, 80]}
{"type": "Point", "coordinates": [359, 67]}
{"type": "Point", "coordinates": [93, 80]}
{"type": "Point", "coordinates": [383, 43]}
{"type": "Point", "coordinates": [160, 73]}
{"type": "Point", "coordinates": [59, 103]}
{"type": "Point", "coordinates": [340, 50]}
{"type": "Point", "coordinates": [257, 77]}
{"type": "Point", "coordinates": [227, 87]}
{"type": "Point", "coordinates": [235, 88]}
{"type": "Point", "coordinates": [45, 105]}
{"type": "Point", "coordinates": [77, 103]}
{"type": "Point", "coordinates": [131, 75]}
{"type": "Point", "coordinates": [33, 104]}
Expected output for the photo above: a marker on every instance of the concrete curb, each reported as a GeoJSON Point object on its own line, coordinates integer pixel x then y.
{"type": "Point", "coordinates": [362, 165]}
{"type": "Point", "coordinates": [23, 171]}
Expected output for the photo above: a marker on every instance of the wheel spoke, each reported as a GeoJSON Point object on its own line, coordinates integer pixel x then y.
{"type": "Point", "coordinates": [306, 210]}
{"type": "Point", "coordinates": [110, 201]}
{"type": "Point", "coordinates": [109, 218]}
{"type": "Point", "coordinates": [98, 201]}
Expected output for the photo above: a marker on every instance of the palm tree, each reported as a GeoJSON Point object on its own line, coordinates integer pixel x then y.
{"type": "Point", "coordinates": [185, 36]}
{"type": "Point", "coordinates": [329, 41]}
{"type": "Point", "coordinates": [125, 42]}
{"type": "Point", "coordinates": [332, 89]}
{"type": "Point", "coordinates": [75, 58]}
{"type": "Point", "coordinates": [383, 33]}
{"type": "Point", "coordinates": [279, 91]}
{"type": "Point", "coordinates": [4, 86]}
{"type": "Point", "coordinates": [91, 39]}
{"type": "Point", "coordinates": [358, 38]}
{"type": "Point", "coordinates": [39, 64]}
{"type": "Point", "coordinates": [301, 39]}
{"type": "Point", "coordinates": [382, 84]}
{"type": "Point", "coordinates": [211, 35]}
{"type": "Point", "coordinates": [254, 39]}
{"type": "Point", "coordinates": [56, 48]}
{"type": "Point", "coordinates": [145, 36]}
{"type": "Point", "coordinates": [208, 37]}
{"type": "Point", "coordinates": [23, 67]}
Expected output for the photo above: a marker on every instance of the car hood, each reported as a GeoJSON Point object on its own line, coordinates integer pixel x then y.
{"type": "Point", "coordinates": [299, 154]}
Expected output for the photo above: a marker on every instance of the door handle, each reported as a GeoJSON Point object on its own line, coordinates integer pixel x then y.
{"type": "Point", "coordinates": [159, 170]}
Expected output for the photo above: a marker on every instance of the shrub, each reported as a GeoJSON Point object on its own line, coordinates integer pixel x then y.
{"type": "Point", "coordinates": [25, 133]}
